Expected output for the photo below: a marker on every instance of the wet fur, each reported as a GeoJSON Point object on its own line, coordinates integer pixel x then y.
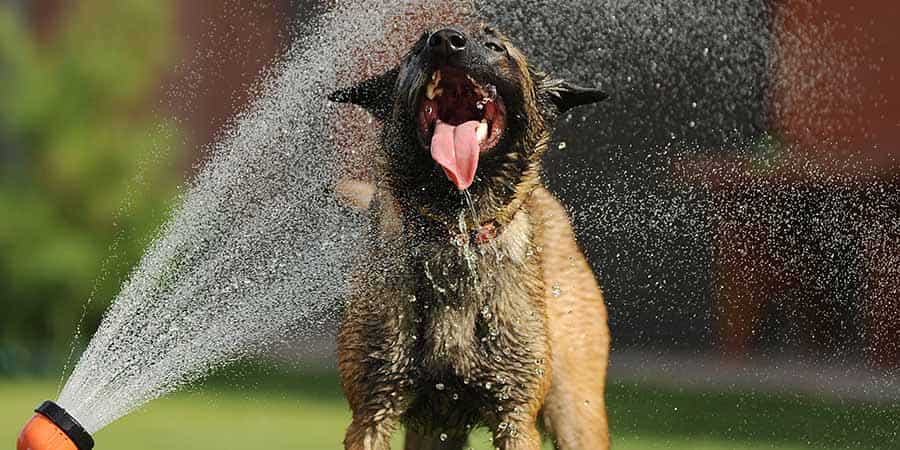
{"type": "Point", "coordinates": [511, 335]}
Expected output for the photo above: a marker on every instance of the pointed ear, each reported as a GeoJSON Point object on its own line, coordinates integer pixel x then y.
{"type": "Point", "coordinates": [566, 95]}
{"type": "Point", "coordinates": [376, 94]}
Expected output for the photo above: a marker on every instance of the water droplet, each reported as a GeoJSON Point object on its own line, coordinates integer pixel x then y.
{"type": "Point", "coordinates": [562, 145]}
{"type": "Point", "coordinates": [443, 436]}
{"type": "Point", "coordinates": [439, 386]}
{"type": "Point", "coordinates": [555, 290]}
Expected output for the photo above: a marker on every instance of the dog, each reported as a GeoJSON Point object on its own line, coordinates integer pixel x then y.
{"type": "Point", "coordinates": [476, 307]}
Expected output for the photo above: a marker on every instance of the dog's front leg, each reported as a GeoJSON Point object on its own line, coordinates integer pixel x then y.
{"type": "Point", "coordinates": [516, 432]}
{"type": "Point", "coordinates": [377, 387]}
{"type": "Point", "coordinates": [370, 435]}
{"type": "Point", "coordinates": [378, 401]}
{"type": "Point", "coordinates": [374, 365]}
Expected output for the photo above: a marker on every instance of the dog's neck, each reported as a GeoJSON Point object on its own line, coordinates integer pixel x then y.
{"type": "Point", "coordinates": [465, 231]}
{"type": "Point", "coordinates": [472, 226]}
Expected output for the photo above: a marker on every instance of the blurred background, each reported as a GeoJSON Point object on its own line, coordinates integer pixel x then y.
{"type": "Point", "coordinates": [748, 240]}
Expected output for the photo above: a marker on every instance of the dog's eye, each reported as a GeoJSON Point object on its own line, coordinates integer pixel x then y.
{"type": "Point", "coordinates": [493, 46]}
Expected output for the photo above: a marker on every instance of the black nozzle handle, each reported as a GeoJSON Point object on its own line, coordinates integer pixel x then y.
{"type": "Point", "coordinates": [67, 424]}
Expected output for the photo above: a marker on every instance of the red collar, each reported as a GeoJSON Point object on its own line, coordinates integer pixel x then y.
{"type": "Point", "coordinates": [483, 234]}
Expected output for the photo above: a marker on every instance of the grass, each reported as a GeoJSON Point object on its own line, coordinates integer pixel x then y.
{"type": "Point", "coordinates": [308, 412]}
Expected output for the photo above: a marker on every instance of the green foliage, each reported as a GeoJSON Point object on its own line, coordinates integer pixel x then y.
{"type": "Point", "coordinates": [85, 165]}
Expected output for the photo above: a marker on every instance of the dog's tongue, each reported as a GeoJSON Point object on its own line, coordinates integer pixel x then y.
{"type": "Point", "coordinates": [456, 149]}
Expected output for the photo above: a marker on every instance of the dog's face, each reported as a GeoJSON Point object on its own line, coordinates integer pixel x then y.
{"type": "Point", "coordinates": [464, 111]}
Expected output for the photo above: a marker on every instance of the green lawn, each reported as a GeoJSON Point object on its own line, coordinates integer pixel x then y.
{"type": "Point", "coordinates": [307, 412]}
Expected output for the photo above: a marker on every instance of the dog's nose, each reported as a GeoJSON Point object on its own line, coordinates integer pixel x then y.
{"type": "Point", "coordinates": [446, 42]}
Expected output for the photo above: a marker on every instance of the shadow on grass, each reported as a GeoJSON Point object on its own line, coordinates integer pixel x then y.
{"type": "Point", "coordinates": [642, 410]}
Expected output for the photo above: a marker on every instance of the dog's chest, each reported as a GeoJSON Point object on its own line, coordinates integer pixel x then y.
{"type": "Point", "coordinates": [481, 339]}
{"type": "Point", "coordinates": [475, 303]}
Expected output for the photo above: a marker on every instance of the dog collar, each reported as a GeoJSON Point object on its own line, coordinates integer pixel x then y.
{"type": "Point", "coordinates": [484, 233]}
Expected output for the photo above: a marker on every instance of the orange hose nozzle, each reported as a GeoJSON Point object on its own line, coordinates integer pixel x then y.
{"type": "Point", "coordinates": [52, 428]}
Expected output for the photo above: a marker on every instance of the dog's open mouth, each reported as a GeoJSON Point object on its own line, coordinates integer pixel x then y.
{"type": "Point", "coordinates": [458, 119]}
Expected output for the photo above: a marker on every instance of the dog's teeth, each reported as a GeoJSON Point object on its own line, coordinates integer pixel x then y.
{"type": "Point", "coordinates": [432, 90]}
{"type": "Point", "coordinates": [478, 89]}
{"type": "Point", "coordinates": [482, 131]}
{"type": "Point", "coordinates": [482, 103]}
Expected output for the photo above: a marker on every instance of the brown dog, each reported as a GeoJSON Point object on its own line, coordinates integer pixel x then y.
{"type": "Point", "coordinates": [477, 307]}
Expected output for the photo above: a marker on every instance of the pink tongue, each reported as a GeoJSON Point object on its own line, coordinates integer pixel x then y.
{"type": "Point", "coordinates": [456, 150]}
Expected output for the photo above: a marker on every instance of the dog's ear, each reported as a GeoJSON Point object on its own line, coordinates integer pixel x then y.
{"type": "Point", "coordinates": [376, 94]}
{"type": "Point", "coordinates": [566, 95]}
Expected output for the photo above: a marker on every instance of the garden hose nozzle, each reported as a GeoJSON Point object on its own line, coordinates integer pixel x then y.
{"type": "Point", "coordinates": [52, 428]}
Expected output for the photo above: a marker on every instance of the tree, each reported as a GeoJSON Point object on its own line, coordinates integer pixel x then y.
{"type": "Point", "coordinates": [86, 166]}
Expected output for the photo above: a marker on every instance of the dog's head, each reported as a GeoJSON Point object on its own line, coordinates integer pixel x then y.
{"type": "Point", "coordinates": [464, 111]}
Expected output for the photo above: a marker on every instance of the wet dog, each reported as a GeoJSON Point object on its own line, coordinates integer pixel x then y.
{"type": "Point", "coordinates": [477, 307]}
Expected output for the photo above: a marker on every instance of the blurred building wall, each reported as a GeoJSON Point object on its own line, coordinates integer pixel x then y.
{"type": "Point", "coordinates": [225, 47]}
{"type": "Point", "coordinates": [833, 282]}
{"type": "Point", "coordinates": [862, 119]}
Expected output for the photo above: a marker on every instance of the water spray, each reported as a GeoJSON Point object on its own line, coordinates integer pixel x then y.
{"type": "Point", "coordinates": [259, 246]}
{"type": "Point", "coordinates": [52, 428]}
